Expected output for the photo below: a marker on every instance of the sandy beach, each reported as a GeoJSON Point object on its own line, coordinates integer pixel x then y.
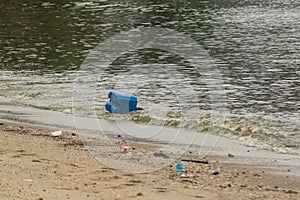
{"type": "Point", "coordinates": [101, 100]}
{"type": "Point", "coordinates": [35, 165]}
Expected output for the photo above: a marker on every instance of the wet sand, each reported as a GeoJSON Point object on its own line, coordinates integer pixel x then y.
{"type": "Point", "coordinates": [35, 165]}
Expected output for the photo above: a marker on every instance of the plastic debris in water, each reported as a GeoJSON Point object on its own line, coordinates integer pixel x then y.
{"type": "Point", "coordinates": [56, 133]}
{"type": "Point", "coordinates": [121, 102]}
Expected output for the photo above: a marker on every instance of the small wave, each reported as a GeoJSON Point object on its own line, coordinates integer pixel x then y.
{"type": "Point", "coordinates": [275, 135]}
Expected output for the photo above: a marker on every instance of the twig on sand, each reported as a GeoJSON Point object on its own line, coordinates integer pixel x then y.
{"type": "Point", "coordinates": [195, 161]}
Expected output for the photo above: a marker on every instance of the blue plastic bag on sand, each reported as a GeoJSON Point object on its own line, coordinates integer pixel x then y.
{"type": "Point", "coordinates": [121, 102]}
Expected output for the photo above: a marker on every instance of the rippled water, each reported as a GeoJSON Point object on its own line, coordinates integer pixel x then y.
{"type": "Point", "coordinates": [254, 44]}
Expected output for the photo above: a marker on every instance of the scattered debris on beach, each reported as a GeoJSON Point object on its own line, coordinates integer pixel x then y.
{"type": "Point", "coordinates": [198, 174]}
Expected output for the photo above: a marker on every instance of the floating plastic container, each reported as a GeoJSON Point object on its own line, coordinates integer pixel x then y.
{"type": "Point", "coordinates": [121, 102]}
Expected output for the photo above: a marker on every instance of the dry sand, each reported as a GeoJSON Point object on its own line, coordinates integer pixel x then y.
{"type": "Point", "coordinates": [36, 166]}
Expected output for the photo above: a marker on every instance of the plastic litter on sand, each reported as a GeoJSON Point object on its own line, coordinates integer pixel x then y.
{"type": "Point", "coordinates": [56, 133]}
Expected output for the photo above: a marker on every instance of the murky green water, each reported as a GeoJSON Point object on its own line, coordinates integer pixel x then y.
{"type": "Point", "coordinates": [254, 44]}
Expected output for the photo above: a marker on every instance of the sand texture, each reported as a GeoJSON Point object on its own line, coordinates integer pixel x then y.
{"type": "Point", "coordinates": [38, 166]}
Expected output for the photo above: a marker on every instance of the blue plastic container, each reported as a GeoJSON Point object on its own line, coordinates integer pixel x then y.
{"type": "Point", "coordinates": [121, 102]}
{"type": "Point", "coordinates": [179, 168]}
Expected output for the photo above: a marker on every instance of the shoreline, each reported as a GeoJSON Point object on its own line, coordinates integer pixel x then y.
{"type": "Point", "coordinates": [29, 114]}
{"type": "Point", "coordinates": [38, 166]}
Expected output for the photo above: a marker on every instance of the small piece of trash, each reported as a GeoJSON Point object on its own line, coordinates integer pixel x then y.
{"type": "Point", "coordinates": [125, 149]}
{"type": "Point", "coordinates": [179, 168]}
{"type": "Point", "coordinates": [215, 172]}
{"type": "Point", "coordinates": [56, 133]}
{"type": "Point", "coordinates": [244, 185]}
{"type": "Point", "coordinates": [183, 176]}
{"type": "Point", "coordinates": [27, 180]}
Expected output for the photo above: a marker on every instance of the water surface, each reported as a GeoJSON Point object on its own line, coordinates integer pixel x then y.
{"type": "Point", "coordinates": [254, 44]}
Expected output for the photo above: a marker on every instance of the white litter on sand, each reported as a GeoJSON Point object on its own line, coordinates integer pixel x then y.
{"type": "Point", "coordinates": [56, 133]}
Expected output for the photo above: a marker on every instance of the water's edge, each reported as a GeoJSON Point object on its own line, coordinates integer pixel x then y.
{"type": "Point", "coordinates": [206, 144]}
